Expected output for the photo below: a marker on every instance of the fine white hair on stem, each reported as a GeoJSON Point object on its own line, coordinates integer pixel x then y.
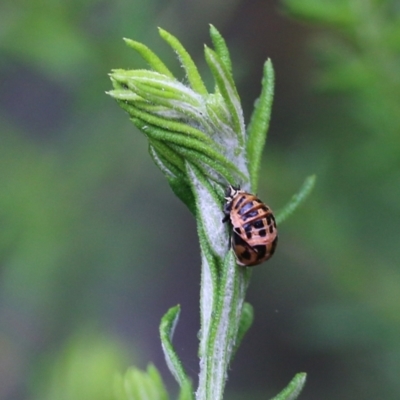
{"type": "Point", "coordinates": [210, 213]}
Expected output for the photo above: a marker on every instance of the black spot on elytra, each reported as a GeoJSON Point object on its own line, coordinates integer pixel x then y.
{"type": "Point", "coordinates": [249, 234]}
{"type": "Point", "coordinates": [250, 214]}
{"type": "Point", "coordinates": [240, 201]}
{"type": "Point", "coordinates": [262, 232]}
{"type": "Point", "coordinates": [247, 227]}
{"type": "Point", "coordinates": [245, 255]}
{"type": "Point", "coordinates": [271, 229]}
{"type": "Point", "coordinates": [258, 224]}
{"type": "Point", "coordinates": [261, 251]}
{"type": "Point", "coordinates": [246, 207]}
{"type": "Point", "coordinates": [237, 240]}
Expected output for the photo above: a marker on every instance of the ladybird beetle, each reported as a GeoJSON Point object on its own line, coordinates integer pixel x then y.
{"type": "Point", "coordinates": [254, 233]}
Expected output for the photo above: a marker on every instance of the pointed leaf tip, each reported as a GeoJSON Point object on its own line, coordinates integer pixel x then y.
{"type": "Point", "coordinates": [293, 389]}
{"type": "Point", "coordinates": [297, 199]}
{"type": "Point", "coordinates": [259, 123]}
{"type": "Point", "coordinates": [188, 64]}
{"type": "Point", "coordinates": [149, 56]}
{"type": "Point", "coordinates": [221, 48]}
{"type": "Point", "coordinates": [167, 329]}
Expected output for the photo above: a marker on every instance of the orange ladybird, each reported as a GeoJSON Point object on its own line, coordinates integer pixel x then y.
{"type": "Point", "coordinates": [254, 232]}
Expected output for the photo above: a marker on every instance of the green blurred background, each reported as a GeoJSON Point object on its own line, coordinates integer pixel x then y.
{"type": "Point", "coordinates": [94, 247]}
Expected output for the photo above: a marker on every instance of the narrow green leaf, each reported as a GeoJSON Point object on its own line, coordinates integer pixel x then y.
{"type": "Point", "coordinates": [150, 57]}
{"type": "Point", "coordinates": [154, 375]}
{"type": "Point", "coordinates": [296, 200]}
{"type": "Point", "coordinates": [176, 178]}
{"type": "Point", "coordinates": [139, 385]}
{"type": "Point", "coordinates": [221, 48]}
{"type": "Point", "coordinates": [171, 126]}
{"type": "Point", "coordinates": [164, 91]}
{"type": "Point", "coordinates": [158, 133]}
{"type": "Point", "coordinates": [157, 89]}
{"type": "Point", "coordinates": [174, 111]}
{"type": "Point", "coordinates": [169, 162]}
{"type": "Point", "coordinates": [227, 88]}
{"type": "Point", "coordinates": [218, 113]}
{"type": "Point", "coordinates": [123, 94]}
{"type": "Point", "coordinates": [207, 164]}
{"type": "Point", "coordinates": [259, 124]}
{"type": "Point", "coordinates": [186, 392]}
{"type": "Point", "coordinates": [191, 70]}
{"type": "Point", "coordinates": [184, 192]}
{"type": "Point", "coordinates": [292, 391]}
{"type": "Point", "coordinates": [167, 328]}
{"type": "Point", "coordinates": [192, 149]}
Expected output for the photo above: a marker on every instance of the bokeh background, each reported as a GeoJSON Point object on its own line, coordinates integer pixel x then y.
{"type": "Point", "coordinates": [94, 247]}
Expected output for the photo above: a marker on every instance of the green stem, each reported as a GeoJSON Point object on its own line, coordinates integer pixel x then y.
{"type": "Point", "coordinates": [223, 330]}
